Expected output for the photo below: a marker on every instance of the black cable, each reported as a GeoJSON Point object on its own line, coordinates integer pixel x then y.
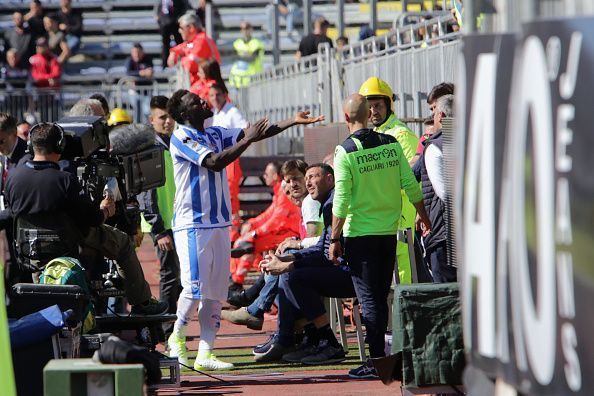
{"type": "Point", "coordinates": [198, 371]}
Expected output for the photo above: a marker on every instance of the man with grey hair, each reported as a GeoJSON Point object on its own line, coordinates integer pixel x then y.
{"type": "Point", "coordinates": [434, 195]}
{"type": "Point", "coordinates": [196, 46]}
{"type": "Point", "coordinates": [87, 107]}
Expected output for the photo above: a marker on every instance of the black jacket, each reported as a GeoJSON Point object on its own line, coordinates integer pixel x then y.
{"type": "Point", "coordinates": [73, 22]}
{"type": "Point", "coordinates": [40, 187]}
{"type": "Point", "coordinates": [179, 8]}
{"type": "Point", "coordinates": [435, 206]}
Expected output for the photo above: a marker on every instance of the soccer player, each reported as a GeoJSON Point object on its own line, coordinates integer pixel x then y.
{"type": "Point", "coordinates": [203, 216]}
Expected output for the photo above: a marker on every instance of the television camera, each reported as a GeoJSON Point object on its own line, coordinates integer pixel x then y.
{"type": "Point", "coordinates": [121, 163]}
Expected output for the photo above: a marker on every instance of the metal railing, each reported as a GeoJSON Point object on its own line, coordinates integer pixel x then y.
{"type": "Point", "coordinates": [409, 58]}
{"type": "Point", "coordinates": [52, 104]}
{"type": "Point", "coordinates": [281, 91]}
{"type": "Point", "coordinates": [411, 62]}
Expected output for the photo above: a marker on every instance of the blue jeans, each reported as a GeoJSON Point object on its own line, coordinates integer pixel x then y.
{"type": "Point", "coordinates": [266, 297]}
{"type": "Point", "coordinates": [287, 314]}
{"type": "Point", "coordinates": [295, 12]}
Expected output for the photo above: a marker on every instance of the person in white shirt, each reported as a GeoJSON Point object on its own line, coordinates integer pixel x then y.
{"type": "Point", "coordinates": [226, 115]}
{"type": "Point", "coordinates": [202, 216]}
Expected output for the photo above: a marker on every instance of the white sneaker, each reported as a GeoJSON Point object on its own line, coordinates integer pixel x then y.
{"type": "Point", "coordinates": [177, 348]}
{"type": "Point", "coordinates": [210, 362]}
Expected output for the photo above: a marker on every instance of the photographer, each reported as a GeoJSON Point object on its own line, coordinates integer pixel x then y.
{"type": "Point", "coordinates": [39, 187]}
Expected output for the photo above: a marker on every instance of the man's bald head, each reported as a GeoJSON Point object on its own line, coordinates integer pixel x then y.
{"type": "Point", "coordinates": [356, 109]}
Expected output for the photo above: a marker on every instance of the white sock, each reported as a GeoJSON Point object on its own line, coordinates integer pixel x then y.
{"type": "Point", "coordinates": [209, 316]}
{"type": "Point", "coordinates": [186, 307]}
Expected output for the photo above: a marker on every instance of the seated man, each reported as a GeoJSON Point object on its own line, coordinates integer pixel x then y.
{"type": "Point", "coordinates": [56, 38]}
{"type": "Point", "coordinates": [40, 187]}
{"type": "Point", "coordinates": [253, 315]}
{"type": "Point", "coordinates": [139, 64]}
{"type": "Point", "coordinates": [45, 68]}
{"type": "Point", "coordinates": [264, 232]}
{"type": "Point", "coordinates": [305, 277]}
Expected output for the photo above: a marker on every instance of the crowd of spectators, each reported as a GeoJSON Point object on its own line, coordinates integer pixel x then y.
{"type": "Point", "coordinates": [40, 44]}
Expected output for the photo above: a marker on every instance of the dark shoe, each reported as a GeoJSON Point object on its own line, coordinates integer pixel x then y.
{"type": "Point", "coordinates": [304, 349]}
{"type": "Point", "coordinates": [364, 371]}
{"type": "Point", "coordinates": [264, 347]}
{"type": "Point", "coordinates": [274, 353]}
{"type": "Point", "coordinates": [239, 299]}
{"type": "Point", "coordinates": [325, 354]}
{"type": "Point", "coordinates": [234, 288]}
{"type": "Point", "coordinates": [243, 317]}
{"type": "Point", "coordinates": [242, 248]}
{"type": "Point", "coordinates": [152, 307]}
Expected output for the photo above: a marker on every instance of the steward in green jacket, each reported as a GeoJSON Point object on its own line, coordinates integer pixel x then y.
{"type": "Point", "coordinates": [381, 102]}
{"type": "Point", "coordinates": [250, 52]}
{"type": "Point", "coordinates": [370, 171]}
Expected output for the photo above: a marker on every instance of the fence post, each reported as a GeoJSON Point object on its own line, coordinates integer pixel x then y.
{"type": "Point", "coordinates": [340, 17]}
{"type": "Point", "coordinates": [306, 17]}
{"type": "Point", "coordinates": [373, 11]}
{"type": "Point", "coordinates": [275, 34]}
{"type": "Point", "coordinates": [208, 17]}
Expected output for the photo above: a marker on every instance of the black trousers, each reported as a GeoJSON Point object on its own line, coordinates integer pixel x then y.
{"type": "Point", "coordinates": [304, 286]}
{"type": "Point", "coordinates": [169, 283]}
{"type": "Point", "coordinates": [371, 260]}
{"type": "Point", "coordinates": [167, 30]}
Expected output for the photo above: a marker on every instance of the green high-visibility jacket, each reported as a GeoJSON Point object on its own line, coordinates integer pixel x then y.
{"type": "Point", "coordinates": [370, 171]}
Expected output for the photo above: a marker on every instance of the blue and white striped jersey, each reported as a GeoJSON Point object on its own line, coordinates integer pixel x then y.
{"type": "Point", "coordinates": [202, 196]}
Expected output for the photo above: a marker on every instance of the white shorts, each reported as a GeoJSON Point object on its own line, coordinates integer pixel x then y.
{"type": "Point", "coordinates": [204, 256]}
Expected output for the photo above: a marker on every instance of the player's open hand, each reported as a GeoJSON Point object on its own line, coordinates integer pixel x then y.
{"type": "Point", "coordinates": [304, 118]}
{"type": "Point", "coordinates": [257, 131]}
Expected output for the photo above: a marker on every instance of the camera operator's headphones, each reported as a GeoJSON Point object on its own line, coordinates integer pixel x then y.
{"type": "Point", "coordinates": [58, 146]}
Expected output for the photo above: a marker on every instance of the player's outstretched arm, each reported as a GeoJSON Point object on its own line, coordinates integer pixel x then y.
{"type": "Point", "coordinates": [300, 118]}
{"type": "Point", "coordinates": [218, 161]}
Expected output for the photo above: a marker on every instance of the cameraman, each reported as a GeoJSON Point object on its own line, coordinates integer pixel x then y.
{"type": "Point", "coordinates": [40, 187]}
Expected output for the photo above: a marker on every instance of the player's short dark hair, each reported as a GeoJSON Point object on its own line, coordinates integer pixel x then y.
{"type": "Point", "coordinates": [326, 169]}
{"type": "Point", "coordinates": [294, 165]}
{"type": "Point", "coordinates": [219, 87]}
{"type": "Point", "coordinates": [159, 102]}
{"type": "Point", "coordinates": [8, 124]}
{"type": "Point", "coordinates": [174, 105]}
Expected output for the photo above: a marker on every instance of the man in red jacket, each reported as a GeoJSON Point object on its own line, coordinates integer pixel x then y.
{"type": "Point", "coordinates": [279, 221]}
{"type": "Point", "coordinates": [196, 46]}
{"type": "Point", "coordinates": [45, 68]}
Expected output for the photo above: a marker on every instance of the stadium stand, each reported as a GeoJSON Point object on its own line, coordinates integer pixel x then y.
{"type": "Point", "coordinates": [111, 27]}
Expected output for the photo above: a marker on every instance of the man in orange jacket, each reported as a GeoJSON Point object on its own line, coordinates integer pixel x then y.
{"type": "Point", "coordinates": [196, 46]}
{"type": "Point", "coordinates": [279, 221]}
